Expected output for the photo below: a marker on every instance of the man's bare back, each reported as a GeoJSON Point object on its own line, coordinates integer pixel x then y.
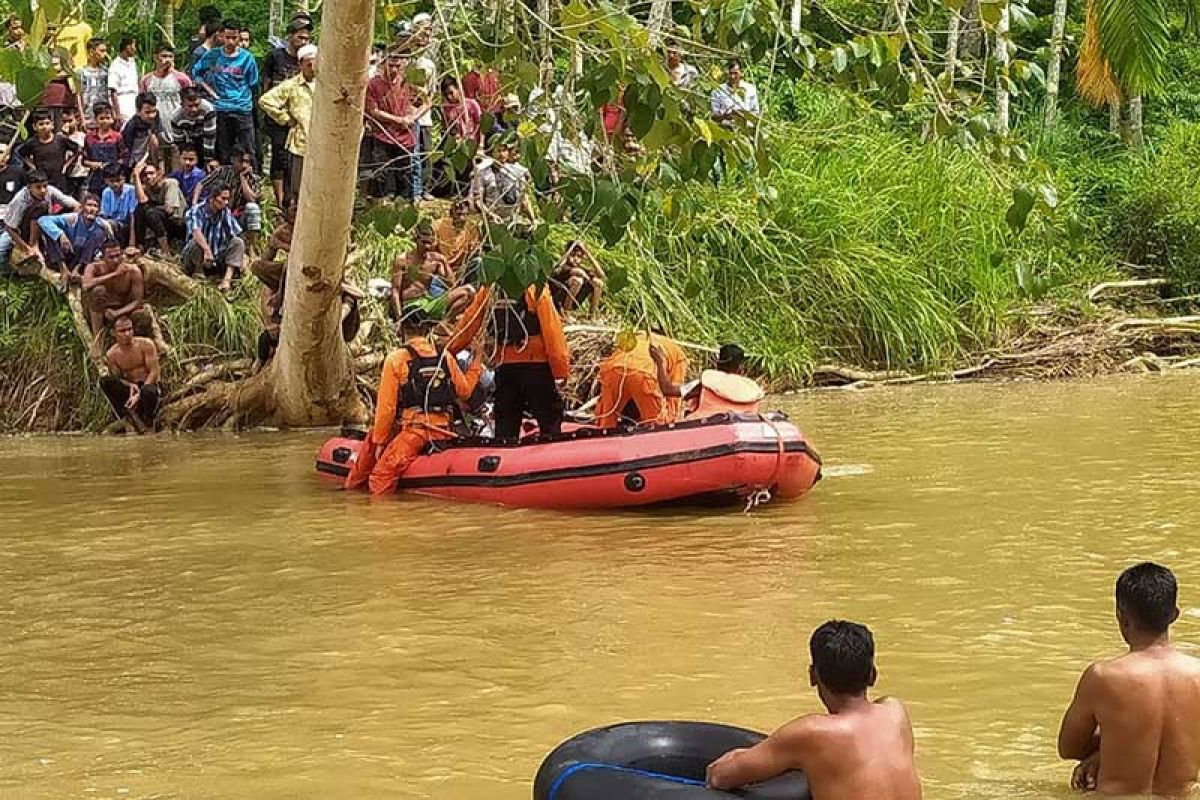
{"type": "Point", "coordinates": [860, 749]}
{"type": "Point", "coordinates": [1147, 707]}
{"type": "Point", "coordinates": [133, 362]}
{"type": "Point", "coordinates": [1134, 723]}
{"type": "Point", "coordinates": [859, 753]}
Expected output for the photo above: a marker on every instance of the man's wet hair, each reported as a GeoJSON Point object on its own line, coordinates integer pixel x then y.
{"type": "Point", "coordinates": [843, 655]}
{"type": "Point", "coordinates": [1147, 594]}
{"type": "Point", "coordinates": [212, 28]}
{"type": "Point", "coordinates": [109, 244]}
{"type": "Point", "coordinates": [41, 115]}
{"type": "Point", "coordinates": [102, 108]}
{"type": "Point", "coordinates": [125, 41]}
{"type": "Point", "coordinates": [36, 176]}
{"type": "Point", "coordinates": [112, 171]}
{"type": "Point", "coordinates": [189, 94]}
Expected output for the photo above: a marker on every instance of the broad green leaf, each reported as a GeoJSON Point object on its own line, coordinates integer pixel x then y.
{"type": "Point", "coordinates": [859, 48]}
{"type": "Point", "coordinates": [1018, 212]}
{"type": "Point", "coordinates": [991, 12]}
{"type": "Point", "coordinates": [660, 135]}
{"type": "Point", "coordinates": [740, 14]}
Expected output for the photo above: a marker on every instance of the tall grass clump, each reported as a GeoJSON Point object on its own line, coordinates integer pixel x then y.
{"type": "Point", "coordinates": [867, 247]}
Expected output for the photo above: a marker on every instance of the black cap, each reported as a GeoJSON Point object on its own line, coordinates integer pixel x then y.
{"type": "Point", "coordinates": [299, 23]}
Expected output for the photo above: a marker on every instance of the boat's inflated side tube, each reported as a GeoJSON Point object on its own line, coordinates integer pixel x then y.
{"type": "Point", "coordinates": [652, 760]}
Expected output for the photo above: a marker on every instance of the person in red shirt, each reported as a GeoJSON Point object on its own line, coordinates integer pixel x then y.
{"type": "Point", "coordinates": [461, 118]}
{"type": "Point", "coordinates": [390, 113]}
{"type": "Point", "coordinates": [485, 88]}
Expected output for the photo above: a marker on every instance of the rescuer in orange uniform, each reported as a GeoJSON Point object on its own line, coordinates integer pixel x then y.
{"type": "Point", "coordinates": [532, 358]}
{"type": "Point", "coordinates": [419, 391]}
{"type": "Point", "coordinates": [629, 384]}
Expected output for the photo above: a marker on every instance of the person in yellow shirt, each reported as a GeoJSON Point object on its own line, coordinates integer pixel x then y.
{"type": "Point", "coordinates": [457, 236]}
{"type": "Point", "coordinates": [290, 103]}
{"type": "Point", "coordinates": [630, 387]}
{"type": "Point", "coordinates": [419, 391]}
{"type": "Point", "coordinates": [532, 360]}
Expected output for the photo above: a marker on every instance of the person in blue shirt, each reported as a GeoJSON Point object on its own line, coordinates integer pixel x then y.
{"type": "Point", "coordinates": [118, 204]}
{"type": "Point", "coordinates": [73, 240]}
{"type": "Point", "coordinates": [230, 76]}
{"type": "Point", "coordinates": [189, 174]}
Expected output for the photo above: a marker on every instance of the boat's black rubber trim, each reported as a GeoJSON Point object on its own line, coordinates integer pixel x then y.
{"type": "Point", "coordinates": [332, 469]}
{"type": "Point", "coordinates": [594, 470]}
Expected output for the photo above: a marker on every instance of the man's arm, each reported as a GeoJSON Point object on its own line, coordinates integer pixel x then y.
{"type": "Point", "coordinates": [152, 370]}
{"type": "Point", "coordinates": [662, 370]}
{"type": "Point", "coordinates": [138, 187]}
{"type": "Point", "coordinates": [202, 242]}
{"type": "Point", "coordinates": [64, 200]}
{"type": "Point", "coordinates": [91, 280]}
{"type": "Point", "coordinates": [772, 756]}
{"type": "Point", "coordinates": [394, 375]}
{"type": "Point", "coordinates": [208, 134]}
{"type": "Point", "coordinates": [137, 292]}
{"type": "Point", "coordinates": [248, 191]}
{"type": "Point", "coordinates": [557, 352]}
{"type": "Point", "coordinates": [470, 321]}
{"type": "Point", "coordinates": [274, 104]}
{"type": "Point", "coordinates": [1079, 735]}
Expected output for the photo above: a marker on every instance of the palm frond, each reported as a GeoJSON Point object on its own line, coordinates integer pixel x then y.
{"type": "Point", "coordinates": [1094, 79]}
{"type": "Point", "coordinates": [1134, 36]}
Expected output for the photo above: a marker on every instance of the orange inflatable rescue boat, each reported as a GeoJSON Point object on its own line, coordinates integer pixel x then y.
{"type": "Point", "coordinates": [724, 449]}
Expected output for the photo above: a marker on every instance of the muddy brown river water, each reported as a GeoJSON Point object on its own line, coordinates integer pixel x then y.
{"type": "Point", "coordinates": [200, 617]}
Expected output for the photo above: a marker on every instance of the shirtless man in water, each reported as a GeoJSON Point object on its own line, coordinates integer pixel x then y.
{"type": "Point", "coordinates": [1134, 724]}
{"type": "Point", "coordinates": [860, 749]}
{"type": "Point", "coordinates": [131, 384]}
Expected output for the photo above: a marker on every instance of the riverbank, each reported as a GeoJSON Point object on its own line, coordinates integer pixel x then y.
{"type": "Point", "coordinates": [865, 256]}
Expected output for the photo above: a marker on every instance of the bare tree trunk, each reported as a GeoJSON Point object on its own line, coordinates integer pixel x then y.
{"type": "Point", "coordinates": [1136, 136]}
{"type": "Point", "coordinates": [275, 19]}
{"type": "Point", "coordinates": [952, 37]}
{"type": "Point", "coordinates": [1114, 117]}
{"type": "Point", "coordinates": [168, 21]}
{"type": "Point", "coordinates": [311, 378]}
{"type": "Point", "coordinates": [796, 16]}
{"type": "Point", "coordinates": [1002, 112]}
{"type": "Point", "coordinates": [1054, 69]}
{"type": "Point", "coordinates": [546, 62]}
{"type": "Point", "coordinates": [971, 31]}
{"type": "Point", "coordinates": [660, 17]}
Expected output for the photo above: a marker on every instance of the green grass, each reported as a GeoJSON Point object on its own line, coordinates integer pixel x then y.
{"type": "Point", "coordinates": [875, 250]}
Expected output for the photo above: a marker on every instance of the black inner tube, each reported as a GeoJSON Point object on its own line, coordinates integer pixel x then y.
{"type": "Point", "coordinates": [650, 760]}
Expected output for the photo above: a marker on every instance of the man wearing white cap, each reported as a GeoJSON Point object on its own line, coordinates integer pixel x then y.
{"type": "Point", "coordinates": [290, 104]}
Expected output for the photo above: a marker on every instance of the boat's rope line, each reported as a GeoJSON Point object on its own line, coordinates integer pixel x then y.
{"type": "Point", "coordinates": [587, 765]}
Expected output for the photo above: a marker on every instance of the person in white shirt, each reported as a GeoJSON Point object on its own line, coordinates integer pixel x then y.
{"type": "Point", "coordinates": [123, 79]}
{"type": "Point", "coordinates": [683, 74]}
{"type": "Point", "coordinates": [736, 98]}
{"type": "Point", "coordinates": [422, 174]}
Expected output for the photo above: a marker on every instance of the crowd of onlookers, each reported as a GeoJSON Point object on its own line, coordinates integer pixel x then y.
{"type": "Point", "coordinates": [175, 160]}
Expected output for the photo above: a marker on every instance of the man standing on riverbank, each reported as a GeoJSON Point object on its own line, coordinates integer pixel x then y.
{"type": "Point", "coordinates": [1134, 723]}
{"type": "Point", "coordinates": [860, 749]}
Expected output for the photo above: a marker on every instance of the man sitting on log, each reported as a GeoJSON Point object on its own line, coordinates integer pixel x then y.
{"type": "Point", "coordinates": [419, 391]}
{"type": "Point", "coordinates": [74, 240]}
{"type": "Point", "coordinates": [215, 244]}
{"type": "Point", "coordinates": [131, 385]}
{"type": "Point", "coordinates": [22, 235]}
{"type": "Point", "coordinates": [113, 288]}
{"type": "Point", "coordinates": [423, 284]}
